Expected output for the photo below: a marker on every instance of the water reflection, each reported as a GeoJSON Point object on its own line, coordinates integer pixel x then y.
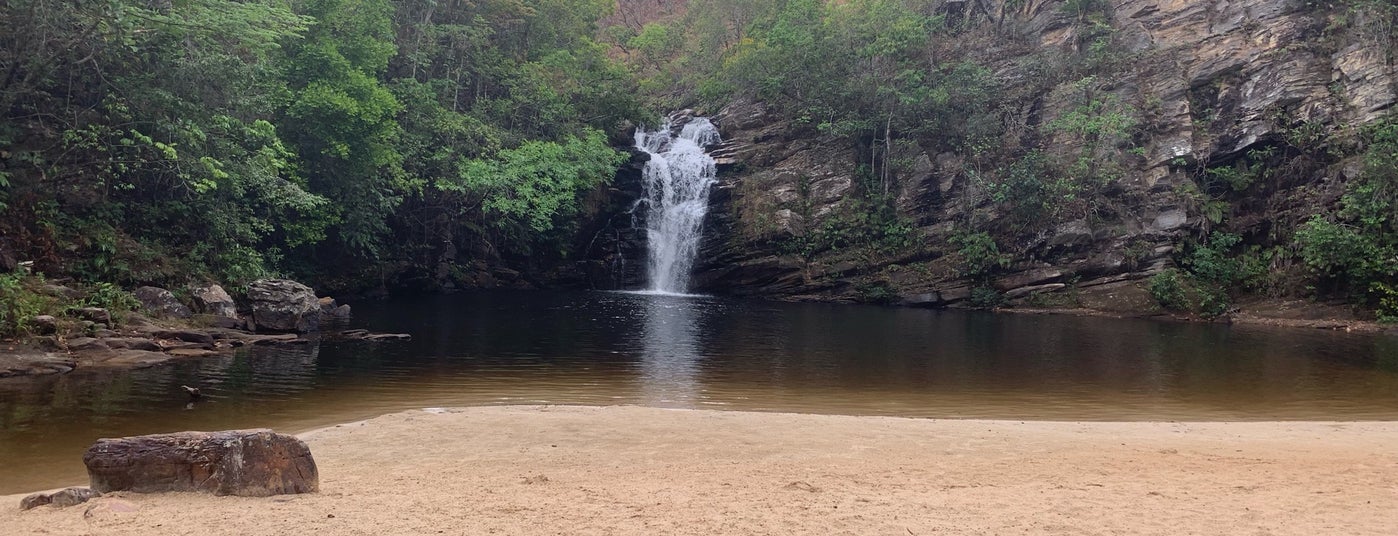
{"type": "Point", "coordinates": [670, 355]}
{"type": "Point", "coordinates": [616, 348]}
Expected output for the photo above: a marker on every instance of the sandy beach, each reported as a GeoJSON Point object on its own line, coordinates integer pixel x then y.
{"type": "Point", "coordinates": [634, 471]}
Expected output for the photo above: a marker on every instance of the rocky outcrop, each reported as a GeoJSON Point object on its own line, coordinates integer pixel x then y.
{"type": "Point", "coordinates": [161, 302]}
{"type": "Point", "coordinates": [284, 305]}
{"type": "Point", "coordinates": [248, 463]}
{"type": "Point", "coordinates": [1207, 85]}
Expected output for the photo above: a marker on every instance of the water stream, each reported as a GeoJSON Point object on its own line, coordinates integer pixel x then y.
{"type": "Point", "coordinates": [677, 179]}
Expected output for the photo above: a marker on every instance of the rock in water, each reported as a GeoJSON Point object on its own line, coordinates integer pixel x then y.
{"type": "Point", "coordinates": [213, 300]}
{"type": "Point", "coordinates": [247, 463]}
{"type": "Point", "coordinates": [161, 302]}
{"type": "Point", "coordinates": [283, 305]}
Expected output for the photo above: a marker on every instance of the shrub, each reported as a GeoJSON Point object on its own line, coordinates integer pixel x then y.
{"type": "Point", "coordinates": [1168, 289]}
{"type": "Point", "coordinates": [986, 298]}
{"type": "Point", "coordinates": [980, 255]}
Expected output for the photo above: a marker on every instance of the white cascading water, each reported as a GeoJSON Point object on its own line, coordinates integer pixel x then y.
{"type": "Point", "coordinates": [677, 180]}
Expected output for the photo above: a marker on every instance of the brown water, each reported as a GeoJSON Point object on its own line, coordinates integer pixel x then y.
{"type": "Point", "coordinates": [609, 348]}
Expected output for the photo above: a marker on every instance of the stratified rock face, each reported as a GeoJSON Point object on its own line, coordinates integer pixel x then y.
{"type": "Point", "coordinates": [284, 305]}
{"type": "Point", "coordinates": [213, 300]}
{"type": "Point", "coordinates": [161, 302]}
{"type": "Point", "coordinates": [247, 463]}
{"type": "Point", "coordinates": [1208, 82]}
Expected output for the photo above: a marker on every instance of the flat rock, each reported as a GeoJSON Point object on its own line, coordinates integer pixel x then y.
{"type": "Point", "coordinates": [199, 337]}
{"type": "Point", "coordinates": [133, 343]}
{"type": "Point", "coordinates": [248, 463]}
{"type": "Point", "coordinates": [192, 352]}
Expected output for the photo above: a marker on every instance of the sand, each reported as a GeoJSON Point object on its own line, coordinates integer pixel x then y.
{"type": "Point", "coordinates": [629, 470]}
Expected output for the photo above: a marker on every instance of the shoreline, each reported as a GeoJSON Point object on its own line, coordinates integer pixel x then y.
{"type": "Point", "coordinates": [636, 470]}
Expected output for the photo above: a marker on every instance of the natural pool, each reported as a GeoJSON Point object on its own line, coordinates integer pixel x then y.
{"type": "Point", "coordinates": [696, 352]}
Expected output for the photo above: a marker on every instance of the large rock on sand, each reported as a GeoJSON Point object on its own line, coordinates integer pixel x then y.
{"type": "Point", "coordinates": [247, 463]}
{"type": "Point", "coordinates": [283, 305]}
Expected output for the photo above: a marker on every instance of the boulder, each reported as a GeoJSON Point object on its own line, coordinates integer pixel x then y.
{"type": "Point", "coordinates": [283, 305]}
{"type": "Point", "coordinates": [43, 324]}
{"type": "Point", "coordinates": [60, 499]}
{"type": "Point", "coordinates": [213, 300]}
{"type": "Point", "coordinates": [246, 463]}
{"type": "Point", "coordinates": [161, 302]}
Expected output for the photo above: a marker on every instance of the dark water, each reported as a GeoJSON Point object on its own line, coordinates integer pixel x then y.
{"type": "Point", "coordinates": [609, 348]}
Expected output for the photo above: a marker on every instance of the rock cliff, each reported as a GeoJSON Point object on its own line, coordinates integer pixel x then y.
{"type": "Point", "coordinates": [1209, 87]}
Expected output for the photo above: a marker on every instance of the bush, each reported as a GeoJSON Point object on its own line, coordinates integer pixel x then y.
{"type": "Point", "coordinates": [980, 255]}
{"type": "Point", "coordinates": [21, 301]}
{"type": "Point", "coordinates": [986, 298]}
{"type": "Point", "coordinates": [1168, 289]}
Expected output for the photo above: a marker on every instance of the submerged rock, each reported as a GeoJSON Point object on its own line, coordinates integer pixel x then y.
{"type": "Point", "coordinates": [247, 463]}
{"type": "Point", "coordinates": [284, 305]}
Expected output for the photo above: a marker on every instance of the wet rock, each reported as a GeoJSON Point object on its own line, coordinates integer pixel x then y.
{"type": "Point", "coordinates": [284, 305]}
{"type": "Point", "coordinates": [38, 364]}
{"type": "Point", "coordinates": [43, 325]}
{"type": "Point", "coordinates": [341, 312]}
{"type": "Point", "coordinates": [366, 335]}
{"type": "Point", "coordinates": [198, 337]}
{"type": "Point", "coordinates": [248, 463]}
{"type": "Point", "coordinates": [191, 352]}
{"type": "Point", "coordinates": [59, 499]}
{"type": "Point", "coordinates": [213, 300]}
{"type": "Point", "coordinates": [161, 302]}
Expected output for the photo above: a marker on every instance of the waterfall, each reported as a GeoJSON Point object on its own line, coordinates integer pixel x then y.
{"type": "Point", "coordinates": [677, 180]}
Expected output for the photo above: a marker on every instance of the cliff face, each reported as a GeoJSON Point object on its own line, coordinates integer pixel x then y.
{"type": "Point", "coordinates": [1212, 85]}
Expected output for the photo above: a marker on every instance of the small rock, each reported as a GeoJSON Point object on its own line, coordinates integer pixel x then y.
{"type": "Point", "coordinates": [94, 314]}
{"type": "Point", "coordinates": [162, 303]}
{"type": "Point", "coordinates": [44, 325]}
{"type": "Point", "coordinates": [341, 312]}
{"type": "Point", "coordinates": [327, 304]}
{"type": "Point", "coordinates": [60, 499]}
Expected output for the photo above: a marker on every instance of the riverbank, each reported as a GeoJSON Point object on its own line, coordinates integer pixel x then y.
{"type": "Point", "coordinates": [631, 470]}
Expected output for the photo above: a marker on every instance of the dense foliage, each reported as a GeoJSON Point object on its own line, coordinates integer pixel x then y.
{"type": "Point", "coordinates": [149, 141]}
